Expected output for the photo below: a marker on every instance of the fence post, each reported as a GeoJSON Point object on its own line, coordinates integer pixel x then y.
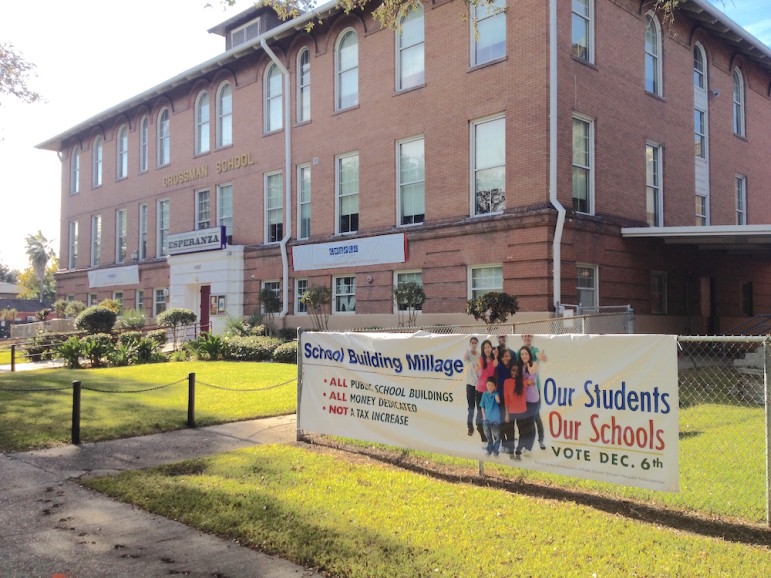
{"type": "Point", "coordinates": [481, 468]}
{"type": "Point", "coordinates": [768, 431]}
{"type": "Point", "coordinates": [191, 400]}
{"type": "Point", "coordinates": [76, 413]}
{"type": "Point", "coordinates": [13, 357]}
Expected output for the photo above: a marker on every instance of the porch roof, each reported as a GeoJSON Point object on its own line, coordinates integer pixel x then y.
{"type": "Point", "coordinates": [734, 238]}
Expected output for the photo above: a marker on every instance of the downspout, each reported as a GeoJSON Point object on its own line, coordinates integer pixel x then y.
{"type": "Point", "coordinates": [288, 172]}
{"type": "Point", "coordinates": [557, 242]}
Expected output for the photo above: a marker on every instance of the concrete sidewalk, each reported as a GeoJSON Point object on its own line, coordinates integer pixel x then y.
{"type": "Point", "coordinates": [49, 524]}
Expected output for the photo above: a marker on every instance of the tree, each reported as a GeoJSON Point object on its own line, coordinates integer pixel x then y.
{"type": "Point", "coordinates": [270, 304]}
{"type": "Point", "coordinates": [492, 308]}
{"type": "Point", "coordinates": [29, 285]}
{"type": "Point", "coordinates": [39, 252]}
{"type": "Point", "coordinates": [174, 318]}
{"type": "Point", "coordinates": [14, 72]}
{"type": "Point", "coordinates": [316, 300]}
{"type": "Point", "coordinates": [8, 275]}
{"type": "Point", "coordinates": [409, 298]}
{"type": "Point", "coordinates": [96, 319]}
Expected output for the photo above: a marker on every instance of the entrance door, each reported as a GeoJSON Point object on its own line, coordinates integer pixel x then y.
{"type": "Point", "coordinates": [204, 316]}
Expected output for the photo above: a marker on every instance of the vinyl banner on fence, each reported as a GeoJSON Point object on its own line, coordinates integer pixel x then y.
{"type": "Point", "coordinates": [604, 407]}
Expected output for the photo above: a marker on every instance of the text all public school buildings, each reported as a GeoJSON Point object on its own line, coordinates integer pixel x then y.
{"type": "Point", "coordinates": [570, 153]}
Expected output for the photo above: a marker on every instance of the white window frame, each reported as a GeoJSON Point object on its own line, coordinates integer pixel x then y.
{"type": "Point", "coordinates": [96, 240]}
{"type": "Point", "coordinates": [474, 291]}
{"type": "Point", "coordinates": [144, 144]}
{"type": "Point", "coordinates": [244, 28]}
{"type": "Point", "coordinates": [741, 200]}
{"type": "Point", "coordinates": [339, 196]}
{"type": "Point", "coordinates": [72, 258]}
{"type": "Point", "coordinates": [275, 176]}
{"type": "Point", "coordinates": [93, 299]}
{"type": "Point", "coordinates": [273, 101]}
{"type": "Point", "coordinates": [220, 207]}
{"type": "Point", "coordinates": [298, 306]}
{"type": "Point", "coordinates": [398, 274]}
{"type": "Point", "coordinates": [590, 208]}
{"type": "Point", "coordinates": [654, 56]}
{"type": "Point", "coordinates": [275, 286]}
{"type": "Point", "coordinates": [202, 123]}
{"type": "Point", "coordinates": [335, 294]}
{"type": "Point", "coordinates": [596, 289]}
{"type": "Point", "coordinates": [121, 153]}
{"type": "Point", "coordinates": [303, 87]}
{"type": "Point", "coordinates": [142, 231]}
{"type": "Point", "coordinates": [473, 164]}
{"type": "Point", "coordinates": [702, 218]}
{"type": "Point", "coordinates": [75, 170]}
{"type": "Point", "coordinates": [162, 232]}
{"type": "Point", "coordinates": [163, 139]}
{"type": "Point", "coordinates": [401, 185]}
{"type": "Point", "coordinates": [739, 103]}
{"type": "Point", "coordinates": [662, 277]}
{"type": "Point", "coordinates": [163, 293]}
{"type": "Point", "coordinates": [118, 296]}
{"type": "Point", "coordinates": [224, 116]}
{"type": "Point", "coordinates": [301, 171]}
{"type": "Point", "coordinates": [139, 300]}
{"type": "Point", "coordinates": [701, 75]}
{"type": "Point", "coordinates": [121, 235]}
{"type": "Point", "coordinates": [339, 71]}
{"type": "Point", "coordinates": [655, 188]}
{"type": "Point", "coordinates": [700, 132]}
{"type": "Point", "coordinates": [494, 13]}
{"type": "Point", "coordinates": [401, 49]}
{"type": "Point", "coordinates": [97, 159]}
{"type": "Point", "coordinates": [202, 217]}
{"type": "Point", "coordinates": [588, 20]}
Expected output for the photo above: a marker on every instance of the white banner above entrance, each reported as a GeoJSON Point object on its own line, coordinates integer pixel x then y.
{"type": "Point", "coordinates": [115, 277]}
{"type": "Point", "coordinates": [379, 250]}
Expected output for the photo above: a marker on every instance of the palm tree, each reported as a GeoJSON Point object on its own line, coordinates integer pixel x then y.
{"type": "Point", "coordinates": [39, 252]}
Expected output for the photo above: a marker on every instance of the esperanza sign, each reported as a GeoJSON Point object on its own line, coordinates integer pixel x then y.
{"type": "Point", "coordinates": [608, 404]}
{"type": "Point", "coordinates": [196, 241]}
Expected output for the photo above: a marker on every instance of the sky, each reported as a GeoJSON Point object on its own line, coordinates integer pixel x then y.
{"type": "Point", "coordinates": [93, 54]}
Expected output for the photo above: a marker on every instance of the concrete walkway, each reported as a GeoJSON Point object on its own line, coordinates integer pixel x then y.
{"type": "Point", "coordinates": [49, 524]}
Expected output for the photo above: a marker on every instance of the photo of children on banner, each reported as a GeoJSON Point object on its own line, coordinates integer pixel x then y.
{"type": "Point", "coordinates": [485, 369]}
{"type": "Point", "coordinates": [491, 416]}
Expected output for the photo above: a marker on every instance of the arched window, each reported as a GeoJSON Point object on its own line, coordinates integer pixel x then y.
{"type": "Point", "coordinates": [273, 99]}
{"type": "Point", "coordinates": [738, 103]}
{"type": "Point", "coordinates": [164, 138]}
{"type": "Point", "coordinates": [699, 71]}
{"type": "Point", "coordinates": [225, 115]}
{"type": "Point", "coordinates": [75, 171]}
{"type": "Point", "coordinates": [144, 143]}
{"type": "Point", "coordinates": [410, 47]}
{"type": "Point", "coordinates": [122, 152]}
{"type": "Point", "coordinates": [202, 124]}
{"type": "Point", "coordinates": [347, 70]}
{"type": "Point", "coordinates": [96, 159]}
{"type": "Point", "coordinates": [304, 85]}
{"type": "Point", "coordinates": [652, 55]}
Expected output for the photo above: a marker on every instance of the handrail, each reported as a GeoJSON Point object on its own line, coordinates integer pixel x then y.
{"type": "Point", "coordinates": [751, 326]}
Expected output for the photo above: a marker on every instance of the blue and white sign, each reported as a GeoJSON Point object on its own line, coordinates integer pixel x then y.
{"type": "Point", "coordinates": [378, 250]}
{"type": "Point", "coordinates": [195, 241]}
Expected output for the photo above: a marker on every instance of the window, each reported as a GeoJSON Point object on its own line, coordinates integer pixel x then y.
{"type": "Point", "coordinates": [202, 124]}
{"type": "Point", "coordinates": [159, 305]}
{"type": "Point", "coordinates": [275, 287]}
{"type": "Point", "coordinates": [653, 195]}
{"type": "Point", "coordinates": [485, 279]}
{"type": "Point", "coordinates": [738, 103]}
{"type": "Point", "coordinates": [583, 179]}
{"type": "Point", "coordinates": [586, 286]}
{"type": "Point", "coordinates": [144, 144]}
{"type": "Point", "coordinates": [75, 171]}
{"type": "Point", "coordinates": [72, 260]}
{"type": "Point", "coordinates": [488, 153]}
{"type": "Point", "coordinates": [122, 157]}
{"type": "Point", "coordinates": [488, 39]}
{"type": "Point", "coordinates": [347, 185]}
{"type": "Point", "coordinates": [652, 55]}
{"type": "Point", "coordinates": [301, 286]}
{"type": "Point", "coordinates": [583, 30]}
{"type": "Point", "coordinates": [410, 61]}
{"type": "Point", "coordinates": [140, 301]}
{"type": "Point", "coordinates": [345, 294]}
{"type": "Point", "coordinates": [747, 306]}
{"type": "Point", "coordinates": [304, 85]}
{"type": "Point", "coordinates": [225, 116]}
{"type": "Point", "coordinates": [658, 292]}
{"type": "Point", "coordinates": [273, 99]}
{"type": "Point", "coordinates": [402, 278]}
{"type": "Point", "coordinates": [121, 227]}
{"type": "Point", "coordinates": [118, 296]}
{"type": "Point", "coordinates": [93, 299]}
{"type": "Point", "coordinates": [741, 200]}
{"type": "Point", "coordinates": [225, 209]}
{"type": "Point", "coordinates": [96, 158]}
{"type": "Point", "coordinates": [164, 138]}
{"type": "Point", "coordinates": [202, 212]}
{"type": "Point", "coordinates": [699, 80]}
{"type": "Point", "coordinates": [702, 219]}
{"type": "Point", "coordinates": [163, 228]}
{"type": "Point", "coordinates": [347, 70]}
{"type": "Point", "coordinates": [274, 207]}
{"type": "Point", "coordinates": [96, 240]}
{"type": "Point", "coordinates": [142, 231]}
{"type": "Point", "coordinates": [700, 137]}
{"type": "Point", "coordinates": [411, 181]}
{"type": "Point", "coordinates": [304, 201]}
{"type": "Point", "coordinates": [245, 33]}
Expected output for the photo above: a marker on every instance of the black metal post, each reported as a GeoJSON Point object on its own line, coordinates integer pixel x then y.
{"type": "Point", "coordinates": [191, 400]}
{"type": "Point", "coordinates": [76, 413]}
{"type": "Point", "coordinates": [13, 357]}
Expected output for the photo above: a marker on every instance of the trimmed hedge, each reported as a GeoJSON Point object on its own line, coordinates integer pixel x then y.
{"type": "Point", "coordinates": [96, 319]}
{"type": "Point", "coordinates": [251, 348]}
{"type": "Point", "coordinates": [286, 352]}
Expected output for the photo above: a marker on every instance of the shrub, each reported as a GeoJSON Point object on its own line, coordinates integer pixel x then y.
{"type": "Point", "coordinates": [174, 318]}
{"type": "Point", "coordinates": [492, 308]}
{"type": "Point", "coordinates": [235, 326]}
{"type": "Point", "coordinates": [132, 320]}
{"type": "Point", "coordinates": [179, 355]}
{"type": "Point", "coordinates": [286, 352]}
{"type": "Point", "coordinates": [74, 308]}
{"type": "Point", "coordinates": [71, 350]}
{"type": "Point", "coordinates": [128, 337]}
{"type": "Point", "coordinates": [147, 350]}
{"type": "Point", "coordinates": [96, 319]}
{"type": "Point", "coordinates": [97, 347]}
{"type": "Point", "coordinates": [287, 333]}
{"type": "Point", "coordinates": [60, 308]}
{"type": "Point", "coordinates": [112, 304]}
{"type": "Point", "coordinates": [257, 330]}
{"type": "Point", "coordinates": [251, 348]}
{"type": "Point", "coordinates": [43, 345]}
{"type": "Point", "coordinates": [123, 354]}
{"type": "Point", "coordinates": [317, 300]}
{"type": "Point", "coordinates": [207, 347]}
{"type": "Point", "coordinates": [159, 336]}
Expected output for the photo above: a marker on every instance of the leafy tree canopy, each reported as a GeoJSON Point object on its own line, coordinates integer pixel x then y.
{"type": "Point", "coordinates": [14, 73]}
{"type": "Point", "coordinates": [29, 283]}
{"type": "Point", "coordinates": [7, 274]}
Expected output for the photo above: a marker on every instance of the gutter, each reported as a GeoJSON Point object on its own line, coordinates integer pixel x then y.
{"type": "Point", "coordinates": [557, 242]}
{"type": "Point", "coordinates": [288, 173]}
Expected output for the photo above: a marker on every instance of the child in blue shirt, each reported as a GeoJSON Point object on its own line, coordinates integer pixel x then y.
{"type": "Point", "coordinates": [491, 416]}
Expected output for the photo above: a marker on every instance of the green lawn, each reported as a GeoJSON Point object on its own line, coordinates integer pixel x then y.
{"type": "Point", "coordinates": [5, 356]}
{"type": "Point", "coordinates": [44, 418]}
{"type": "Point", "coordinates": [357, 517]}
